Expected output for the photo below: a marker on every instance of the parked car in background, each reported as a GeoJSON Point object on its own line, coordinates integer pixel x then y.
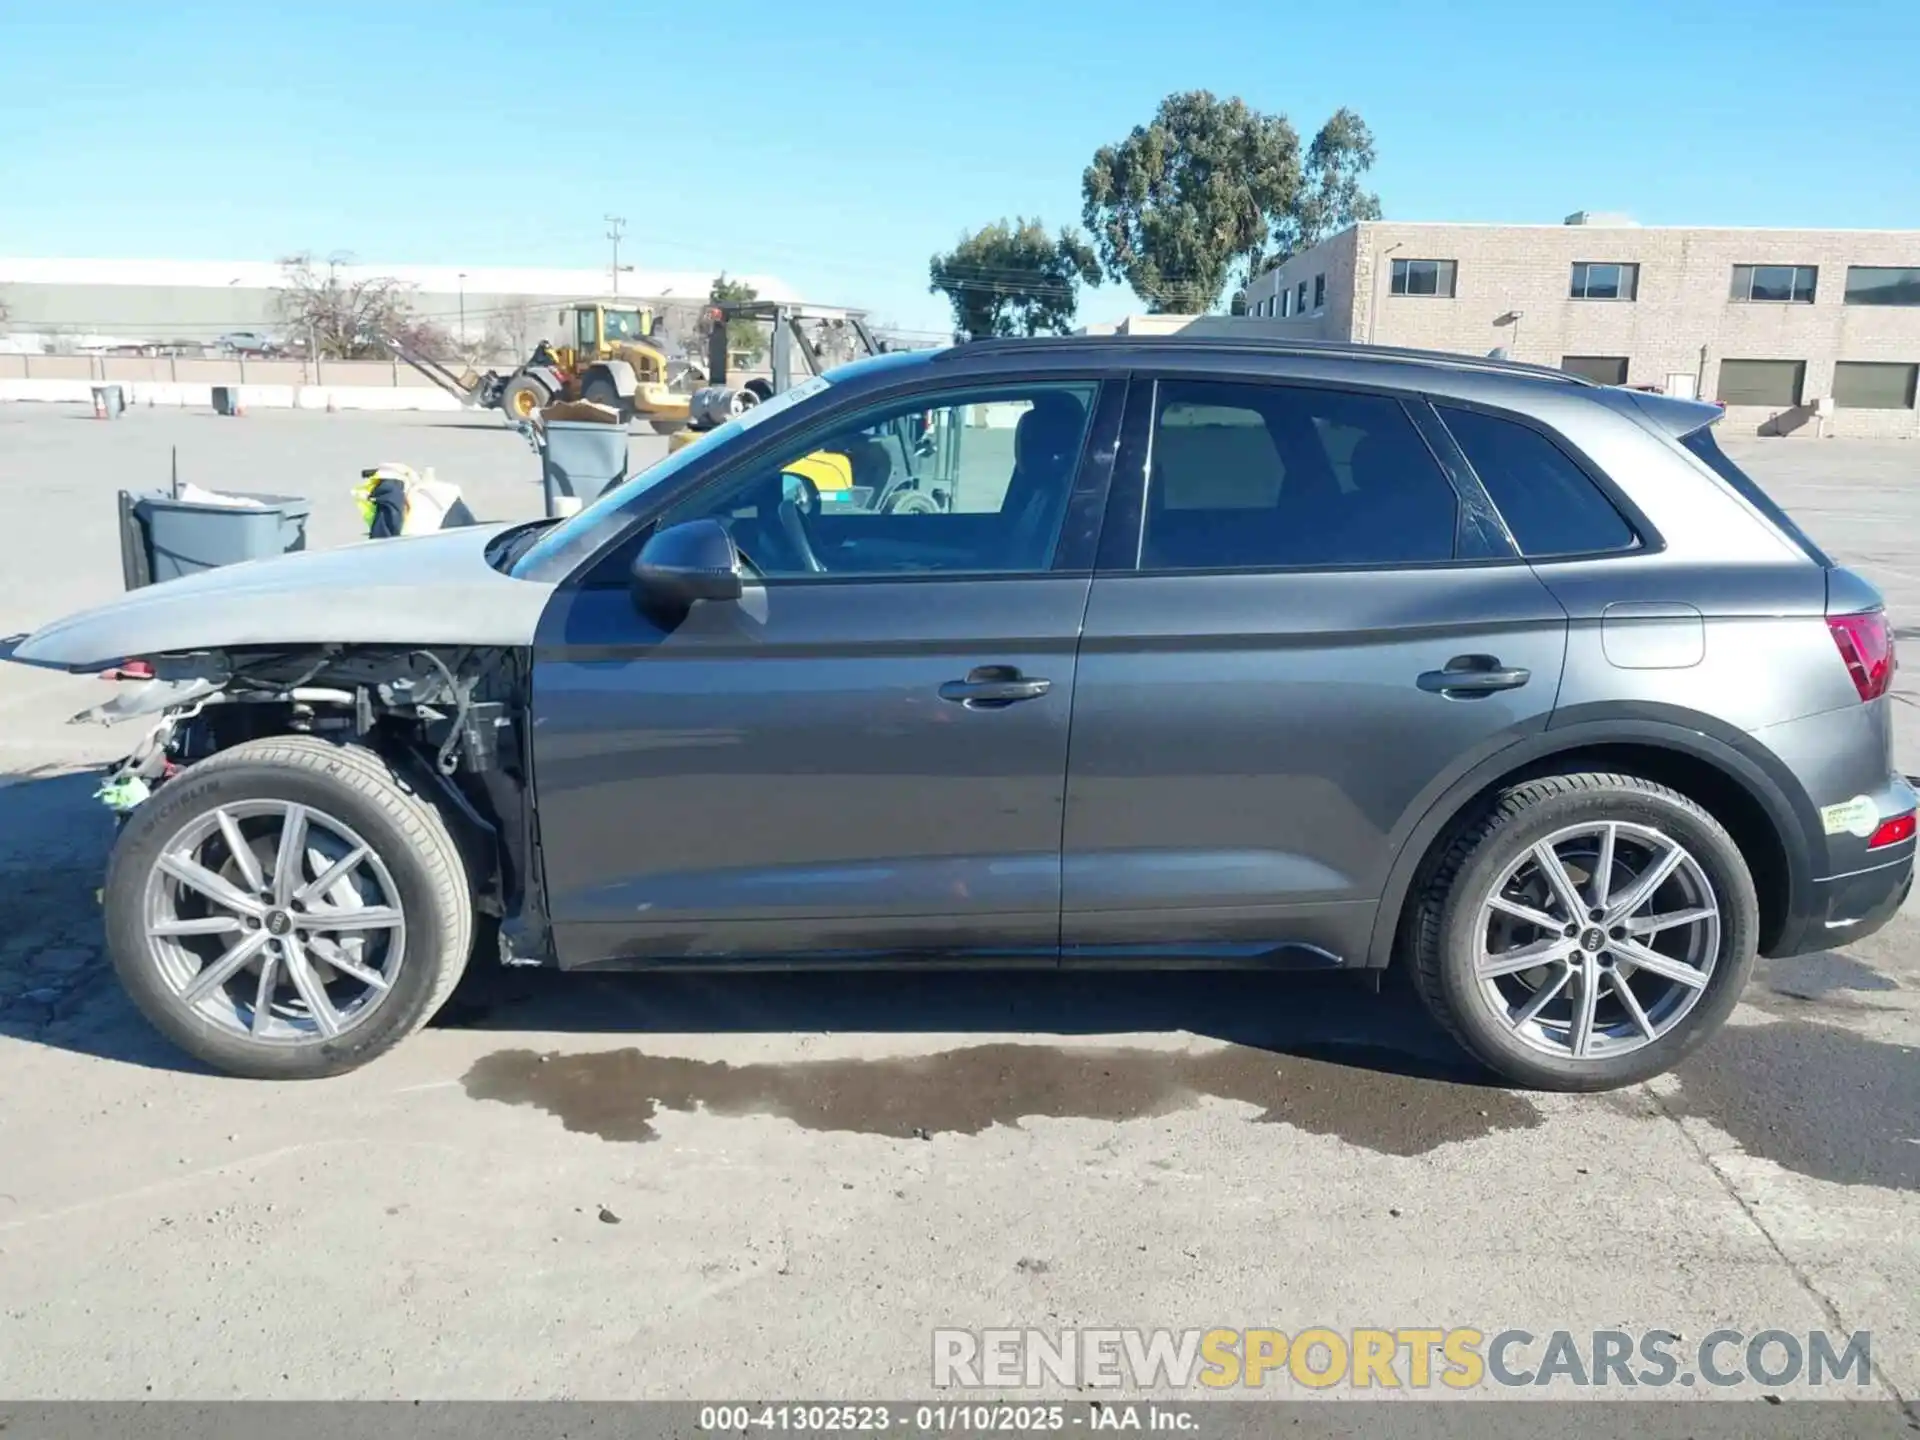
{"type": "Point", "coordinates": [246, 342]}
{"type": "Point", "coordinates": [1188, 653]}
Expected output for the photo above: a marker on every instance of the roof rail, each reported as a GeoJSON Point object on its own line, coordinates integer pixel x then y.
{"type": "Point", "coordinates": [1271, 346]}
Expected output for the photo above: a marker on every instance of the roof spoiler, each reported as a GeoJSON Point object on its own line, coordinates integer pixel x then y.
{"type": "Point", "coordinates": [1672, 415]}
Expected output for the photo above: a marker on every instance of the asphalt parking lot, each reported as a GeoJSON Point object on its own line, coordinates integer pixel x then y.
{"type": "Point", "coordinates": [695, 1186]}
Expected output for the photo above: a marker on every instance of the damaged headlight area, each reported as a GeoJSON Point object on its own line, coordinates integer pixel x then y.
{"type": "Point", "coordinates": [451, 714]}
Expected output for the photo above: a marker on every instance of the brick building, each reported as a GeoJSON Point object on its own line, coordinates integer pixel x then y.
{"type": "Point", "coordinates": [1771, 322]}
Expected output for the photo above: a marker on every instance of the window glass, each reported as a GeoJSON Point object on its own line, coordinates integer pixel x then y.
{"type": "Point", "coordinates": [1268, 475]}
{"type": "Point", "coordinates": [1319, 292]}
{"type": "Point", "coordinates": [1601, 369]}
{"type": "Point", "coordinates": [1300, 299]}
{"type": "Point", "coordinates": [1883, 285]}
{"type": "Point", "coordinates": [1773, 383]}
{"type": "Point", "coordinates": [953, 483]}
{"type": "Point", "coordinates": [1864, 385]}
{"type": "Point", "coordinates": [1548, 502]}
{"type": "Point", "coordinates": [1596, 281]}
{"type": "Point", "coordinates": [1423, 277]}
{"type": "Point", "coordinates": [1783, 283]}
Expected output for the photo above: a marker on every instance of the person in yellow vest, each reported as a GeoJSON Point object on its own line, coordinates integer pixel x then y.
{"type": "Point", "coordinates": [394, 500]}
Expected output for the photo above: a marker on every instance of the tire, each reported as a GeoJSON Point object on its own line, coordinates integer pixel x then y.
{"type": "Point", "coordinates": [911, 502]}
{"type": "Point", "coordinates": [1456, 918]}
{"type": "Point", "coordinates": [347, 794]}
{"type": "Point", "coordinates": [601, 390]}
{"type": "Point", "coordinates": [523, 397]}
{"type": "Point", "coordinates": [667, 427]}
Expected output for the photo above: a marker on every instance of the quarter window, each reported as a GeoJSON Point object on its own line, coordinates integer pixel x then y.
{"type": "Point", "coordinates": [1594, 280]}
{"type": "Point", "coordinates": [1548, 502]}
{"type": "Point", "coordinates": [1883, 285]}
{"type": "Point", "coordinates": [1253, 476]}
{"type": "Point", "coordinates": [1424, 277]}
{"type": "Point", "coordinates": [1774, 383]}
{"type": "Point", "coordinates": [945, 484]}
{"type": "Point", "coordinates": [1792, 284]}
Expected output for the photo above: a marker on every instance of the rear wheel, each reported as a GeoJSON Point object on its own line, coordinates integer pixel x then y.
{"type": "Point", "coordinates": [288, 909]}
{"type": "Point", "coordinates": [522, 397]}
{"type": "Point", "coordinates": [1589, 931]}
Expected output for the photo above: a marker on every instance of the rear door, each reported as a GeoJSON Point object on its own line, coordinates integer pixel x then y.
{"type": "Point", "coordinates": [1303, 628]}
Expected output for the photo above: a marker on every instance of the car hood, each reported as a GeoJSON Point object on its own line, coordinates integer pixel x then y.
{"type": "Point", "coordinates": [415, 590]}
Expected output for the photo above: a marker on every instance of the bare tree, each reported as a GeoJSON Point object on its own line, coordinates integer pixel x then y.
{"type": "Point", "coordinates": [511, 331]}
{"type": "Point", "coordinates": [343, 318]}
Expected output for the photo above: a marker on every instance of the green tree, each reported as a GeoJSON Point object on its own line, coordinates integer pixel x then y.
{"type": "Point", "coordinates": [1014, 279]}
{"type": "Point", "coordinates": [744, 337]}
{"type": "Point", "coordinates": [1210, 183]}
{"type": "Point", "coordinates": [1330, 196]}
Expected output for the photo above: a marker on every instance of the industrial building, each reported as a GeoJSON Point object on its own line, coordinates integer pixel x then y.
{"type": "Point", "coordinates": [1796, 331]}
{"type": "Point", "coordinates": [78, 305]}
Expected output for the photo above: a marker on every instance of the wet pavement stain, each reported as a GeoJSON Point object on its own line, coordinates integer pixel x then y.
{"type": "Point", "coordinates": [1812, 1098]}
{"type": "Point", "coordinates": [616, 1094]}
{"type": "Point", "coordinates": [1816, 976]}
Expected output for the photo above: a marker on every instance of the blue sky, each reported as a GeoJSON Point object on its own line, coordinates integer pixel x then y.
{"type": "Point", "coordinates": [839, 143]}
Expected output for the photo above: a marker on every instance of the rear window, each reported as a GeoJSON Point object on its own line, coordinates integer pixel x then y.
{"type": "Point", "coordinates": [1549, 503]}
{"type": "Point", "coordinates": [1705, 449]}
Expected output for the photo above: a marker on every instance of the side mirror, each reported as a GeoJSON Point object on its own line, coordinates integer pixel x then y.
{"type": "Point", "coordinates": [681, 564]}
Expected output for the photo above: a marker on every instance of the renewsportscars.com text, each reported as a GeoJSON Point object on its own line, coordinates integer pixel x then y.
{"type": "Point", "coordinates": [1409, 1358]}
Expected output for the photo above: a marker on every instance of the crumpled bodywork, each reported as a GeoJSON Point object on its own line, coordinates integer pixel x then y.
{"type": "Point", "coordinates": [429, 590]}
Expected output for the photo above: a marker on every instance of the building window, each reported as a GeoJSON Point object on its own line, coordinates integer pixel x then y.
{"type": "Point", "coordinates": [1285, 299]}
{"type": "Point", "coordinates": [1786, 283]}
{"type": "Point", "coordinates": [1863, 385]}
{"type": "Point", "coordinates": [1883, 285]}
{"type": "Point", "coordinates": [1772, 383]}
{"type": "Point", "coordinates": [1319, 293]}
{"type": "Point", "coordinates": [1596, 280]}
{"type": "Point", "coordinates": [1424, 277]}
{"type": "Point", "coordinates": [1601, 369]}
{"type": "Point", "coordinates": [1300, 300]}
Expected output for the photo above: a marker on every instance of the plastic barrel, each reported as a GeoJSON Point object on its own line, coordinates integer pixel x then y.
{"type": "Point", "coordinates": [185, 537]}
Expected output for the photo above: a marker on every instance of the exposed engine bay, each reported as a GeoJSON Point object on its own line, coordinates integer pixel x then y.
{"type": "Point", "coordinates": [450, 719]}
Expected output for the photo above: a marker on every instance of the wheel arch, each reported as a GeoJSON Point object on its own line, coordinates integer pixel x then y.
{"type": "Point", "coordinates": [1746, 789]}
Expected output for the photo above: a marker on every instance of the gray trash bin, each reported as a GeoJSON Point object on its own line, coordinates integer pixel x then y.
{"type": "Point", "coordinates": [109, 401]}
{"type": "Point", "coordinates": [185, 537]}
{"type": "Point", "coordinates": [582, 458]}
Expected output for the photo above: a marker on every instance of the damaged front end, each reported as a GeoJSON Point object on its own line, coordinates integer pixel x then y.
{"type": "Point", "coordinates": [450, 720]}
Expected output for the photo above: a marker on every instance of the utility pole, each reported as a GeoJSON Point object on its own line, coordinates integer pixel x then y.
{"type": "Point", "coordinates": [463, 307]}
{"type": "Point", "coordinates": [616, 226]}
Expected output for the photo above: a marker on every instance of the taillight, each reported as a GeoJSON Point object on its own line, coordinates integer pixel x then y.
{"type": "Point", "coordinates": [1892, 832]}
{"type": "Point", "coordinates": [1866, 644]}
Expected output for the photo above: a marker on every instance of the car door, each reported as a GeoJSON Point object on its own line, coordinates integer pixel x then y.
{"type": "Point", "coordinates": [866, 753]}
{"type": "Point", "coordinates": [1303, 627]}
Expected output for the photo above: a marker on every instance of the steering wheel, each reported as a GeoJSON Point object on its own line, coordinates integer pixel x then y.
{"type": "Point", "coordinates": [799, 502]}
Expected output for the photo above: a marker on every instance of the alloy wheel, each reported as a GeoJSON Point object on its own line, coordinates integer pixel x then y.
{"type": "Point", "coordinates": [274, 920]}
{"type": "Point", "coordinates": [1597, 940]}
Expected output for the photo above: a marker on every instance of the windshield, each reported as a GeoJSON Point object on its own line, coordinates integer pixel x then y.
{"type": "Point", "coordinates": [567, 544]}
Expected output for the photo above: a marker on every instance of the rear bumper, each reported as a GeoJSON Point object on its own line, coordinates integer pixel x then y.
{"type": "Point", "coordinates": [1849, 907]}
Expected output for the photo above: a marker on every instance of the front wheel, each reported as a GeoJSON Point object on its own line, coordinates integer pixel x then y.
{"type": "Point", "coordinates": [1587, 932]}
{"type": "Point", "coordinates": [288, 909]}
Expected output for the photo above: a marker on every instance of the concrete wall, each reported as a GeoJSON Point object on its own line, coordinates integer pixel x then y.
{"type": "Point", "coordinates": [263, 384]}
{"type": "Point", "coordinates": [1681, 321]}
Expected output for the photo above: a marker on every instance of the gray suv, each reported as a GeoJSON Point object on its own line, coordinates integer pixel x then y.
{"type": "Point", "coordinates": [1081, 652]}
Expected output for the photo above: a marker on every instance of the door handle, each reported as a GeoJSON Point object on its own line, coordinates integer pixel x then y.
{"type": "Point", "coordinates": [990, 687]}
{"type": "Point", "coordinates": [1468, 675]}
